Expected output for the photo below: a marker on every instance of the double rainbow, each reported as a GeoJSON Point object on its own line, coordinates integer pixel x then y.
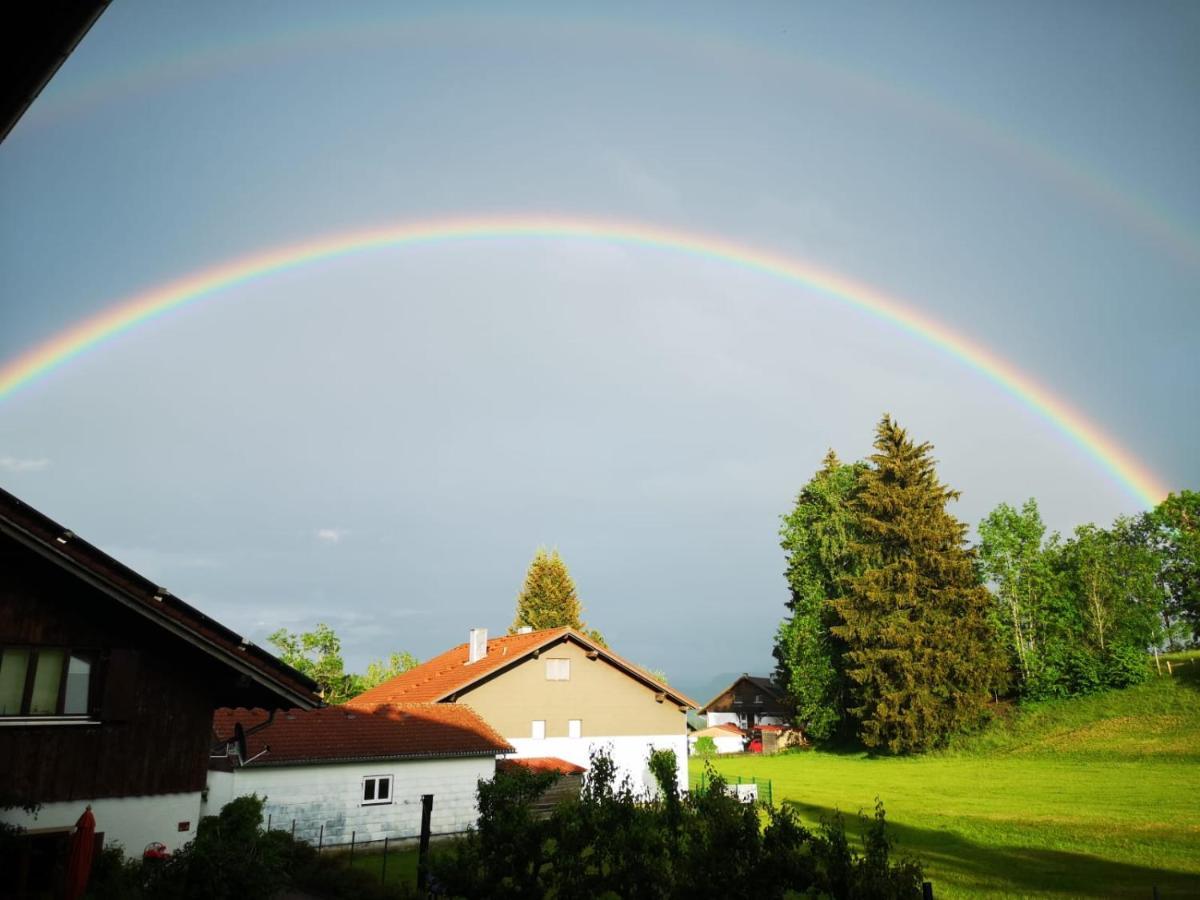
{"type": "Point", "coordinates": [160, 300]}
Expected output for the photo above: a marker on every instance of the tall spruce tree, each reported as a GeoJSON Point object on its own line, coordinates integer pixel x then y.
{"type": "Point", "coordinates": [922, 655]}
{"type": "Point", "coordinates": [548, 598]}
{"type": "Point", "coordinates": [816, 536]}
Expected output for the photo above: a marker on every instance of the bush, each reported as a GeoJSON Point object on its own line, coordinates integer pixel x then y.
{"type": "Point", "coordinates": [705, 747]}
{"type": "Point", "coordinates": [615, 843]}
{"type": "Point", "coordinates": [1125, 666]}
{"type": "Point", "coordinates": [232, 858]}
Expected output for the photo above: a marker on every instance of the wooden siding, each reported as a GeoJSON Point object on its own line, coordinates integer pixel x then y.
{"type": "Point", "coordinates": [740, 698]}
{"type": "Point", "coordinates": [153, 692]}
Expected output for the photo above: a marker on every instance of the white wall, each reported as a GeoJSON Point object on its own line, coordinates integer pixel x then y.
{"type": "Point", "coordinates": [331, 795]}
{"type": "Point", "coordinates": [132, 822]}
{"type": "Point", "coordinates": [722, 718]}
{"type": "Point", "coordinates": [631, 753]}
{"type": "Point", "coordinates": [730, 743]}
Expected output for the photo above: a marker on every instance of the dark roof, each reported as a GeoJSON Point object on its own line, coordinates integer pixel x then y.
{"type": "Point", "coordinates": [126, 587]}
{"type": "Point", "coordinates": [339, 734]}
{"type": "Point", "coordinates": [442, 677]}
{"type": "Point", "coordinates": [762, 683]}
{"type": "Point", "coordinates": [35, 39]}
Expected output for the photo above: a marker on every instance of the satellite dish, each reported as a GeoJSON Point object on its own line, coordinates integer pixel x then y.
{"type": "Point", "coordinates": [239, 739]}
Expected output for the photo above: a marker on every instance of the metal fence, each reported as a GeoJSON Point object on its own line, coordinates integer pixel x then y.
{"type": "Point", "coordinates": [733, 782]}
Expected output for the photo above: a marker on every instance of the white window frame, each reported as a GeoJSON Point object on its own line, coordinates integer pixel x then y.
{"type": "Point", "coordinates": [377, 780]}
{"type": "Point", "coordinates": [535, 729]}
{"type": "Point", "coordinates": [574, 728]}
{"type": "Point", "coordinates": [557, 672]}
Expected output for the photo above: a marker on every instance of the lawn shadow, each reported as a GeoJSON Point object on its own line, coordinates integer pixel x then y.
{"type": "Point", "coordinates": [1018, 870]}
{"type": "Point", "coordinates": [1186, 672]}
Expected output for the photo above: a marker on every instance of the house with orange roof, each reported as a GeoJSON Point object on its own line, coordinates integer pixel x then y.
{"type": "Point", "coordinates": [553, 693]}
{"type": "Point", "coordinates": [335, 773]}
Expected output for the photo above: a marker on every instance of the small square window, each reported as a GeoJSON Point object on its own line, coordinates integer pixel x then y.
{"type": "Point", "coordinates": [539, 729]}
{"type": "Point", "coordinates": [558, 670]}
{"type": "Point", "coordinates": [758, 699]}
{"type": "Point", "coordinates": [376, 789]}
{"type": "Point", "coordinates": [575, 728]}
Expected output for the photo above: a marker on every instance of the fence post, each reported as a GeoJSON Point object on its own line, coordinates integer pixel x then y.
{"type": "Point", "coordinates": [352, 847]}
{"type": "Point", "coordinates": [423, 852]}
{"type": "Point", "coordinates": [383, 869]}
{"type": "Point", "coordinates": [321, 839]}
{"type": "Point", "coordinates": [927, 890]}
{"type": "Point", "coordinates": [268, 821]}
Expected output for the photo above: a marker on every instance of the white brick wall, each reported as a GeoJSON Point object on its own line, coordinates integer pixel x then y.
{"type": "Point", "coordinates": [132, 822]}
{"type": "Point", "coordinates": [331, 795]}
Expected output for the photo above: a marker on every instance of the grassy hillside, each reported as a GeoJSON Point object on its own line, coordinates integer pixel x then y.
{"type": "Point", "coordinates": [1092, 797]}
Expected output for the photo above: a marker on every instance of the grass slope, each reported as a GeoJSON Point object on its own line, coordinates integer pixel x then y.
{"type": "Point", "coordinates": [1092, 797]}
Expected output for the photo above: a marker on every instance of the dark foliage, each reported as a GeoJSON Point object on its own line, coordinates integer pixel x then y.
{"type": "Point", "coordinates": [233, 858]}
{"type": "Point", "coordinates": [614, 843]}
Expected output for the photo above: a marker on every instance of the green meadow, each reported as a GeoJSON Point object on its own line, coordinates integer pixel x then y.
{"type": "Point", "coordinates": [1098, 796]}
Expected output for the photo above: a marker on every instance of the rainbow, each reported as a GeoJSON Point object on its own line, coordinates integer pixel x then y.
{"type": "Point", "coordinates": [158, 301]}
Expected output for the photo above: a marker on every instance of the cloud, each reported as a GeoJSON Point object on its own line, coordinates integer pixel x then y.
{"type": "Point", "coordinates": [12, 464]}
{"type": "Point", "coordinates": [331, 535]}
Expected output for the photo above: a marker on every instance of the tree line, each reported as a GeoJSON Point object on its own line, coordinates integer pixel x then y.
{"type": "Point", "coordinates": [898, 633]}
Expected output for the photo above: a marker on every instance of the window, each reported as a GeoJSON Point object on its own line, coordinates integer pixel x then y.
{"type": "Point", "coordinates": [539, 729]}
{"type": "Point", "coordinates": [575, 728]}
{"type": "Point", "coordinates": [558, 670]}
{"type": "Point", "coordinates": [758, 699]}
{"type": "Point", "coordinates": [44, 681]}
{"type": "Point", "coordinates": [377, 789]}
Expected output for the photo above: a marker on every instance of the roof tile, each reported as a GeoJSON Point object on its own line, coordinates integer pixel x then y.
{"type": "Point", "coordinates": [383, 731]}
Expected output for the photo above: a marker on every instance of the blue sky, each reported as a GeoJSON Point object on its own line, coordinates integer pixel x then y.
{"type": "Point", "coordinates": [382, 442]}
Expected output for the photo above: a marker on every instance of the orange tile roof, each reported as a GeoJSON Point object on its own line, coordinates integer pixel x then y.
{"type": "Point", "coordinates": [339, 734]}
{"type": "Point", "coordinates": [542, 764]}
{"type": "Point", "coordinates": [442, 677]}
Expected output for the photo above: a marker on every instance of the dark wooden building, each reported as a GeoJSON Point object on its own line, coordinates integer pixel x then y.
{"type": "Point", "coordinates": [751, 700]}
{"type": "Point", "coordinates": [108, 685]}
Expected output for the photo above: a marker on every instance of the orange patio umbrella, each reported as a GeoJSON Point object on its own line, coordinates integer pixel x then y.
{"type": "Point", "coordinates": [79, 859]}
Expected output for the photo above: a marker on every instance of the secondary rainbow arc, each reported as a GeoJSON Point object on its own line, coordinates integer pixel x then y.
{"type": "Point", "coordinates": [156, 301]}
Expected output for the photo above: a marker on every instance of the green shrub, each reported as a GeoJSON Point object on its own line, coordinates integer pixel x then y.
{"type": "Point", "coordinates": [1125, 666]}
{"type": "Point", "coordinates": [705, 747]}
{"type": "Point", "coordinates": [615, 843]}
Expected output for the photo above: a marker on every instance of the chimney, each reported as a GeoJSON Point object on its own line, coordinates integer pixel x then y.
{"type": "Point", "coordinates": [477, 645]}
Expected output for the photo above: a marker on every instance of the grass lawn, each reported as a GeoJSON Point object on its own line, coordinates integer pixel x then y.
{"type": "Point", "coordinates": [1091, 797]}
{"type": "Point", "coordinates": [401, 865]}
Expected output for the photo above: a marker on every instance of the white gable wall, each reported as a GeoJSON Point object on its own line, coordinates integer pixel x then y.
{"type": "Point", "coordinates": [631, 753]}
{"type": "Point", "coordinates": [330, 795]}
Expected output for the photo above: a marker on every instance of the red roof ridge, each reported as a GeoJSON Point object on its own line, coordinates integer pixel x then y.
{"type": "Point", "coordinates": [446, 674]}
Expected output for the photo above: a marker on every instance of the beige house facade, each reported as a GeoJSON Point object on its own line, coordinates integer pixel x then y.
{"type": "Point", "coordinates": [555, 693]}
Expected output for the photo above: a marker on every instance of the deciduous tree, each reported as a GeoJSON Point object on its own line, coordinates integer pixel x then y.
{"type": "Point", "coordinates": [816, 537]}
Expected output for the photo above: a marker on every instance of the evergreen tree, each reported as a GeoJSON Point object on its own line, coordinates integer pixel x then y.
{"type": "Point", "coordinates": [548, 598]}
{"type": "Point", "coordinates": [922, 655]}
{"type": "Point", "coordinates": [816, 536]}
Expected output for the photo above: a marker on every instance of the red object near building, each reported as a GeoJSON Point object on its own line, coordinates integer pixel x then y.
{"type": "Point", "coordinates": [79, 858]}
{"type": "Point", "coordinates": [755, 746]}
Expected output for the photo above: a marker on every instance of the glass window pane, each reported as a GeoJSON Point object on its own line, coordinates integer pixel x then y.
{"type": "Point", "coordinates": [46, 680]}
{"type": "Point", "coordinates": [539, 729]}
{"type": "Point", "coordinates": [13, 666]}
{"type": "Point", "coordinates": [384, 786]}
{"type": "Point", "coordinates": [369, 789]}
{"type": "Point", "coordinates": [575, 728]}
{"type": "Point", "coordinates": [79, 670]}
